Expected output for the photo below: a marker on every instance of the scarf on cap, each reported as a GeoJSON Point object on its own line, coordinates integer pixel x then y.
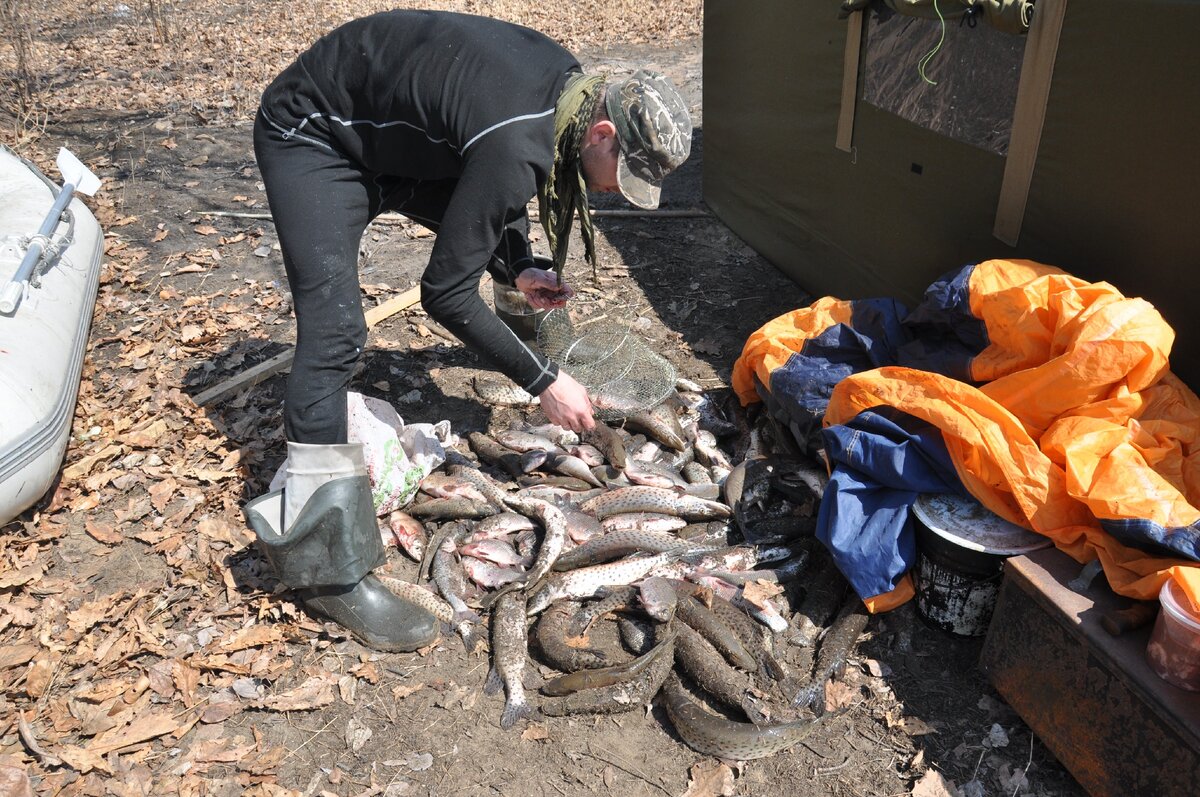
{"type": "Point", "coordinates": [565, 191]}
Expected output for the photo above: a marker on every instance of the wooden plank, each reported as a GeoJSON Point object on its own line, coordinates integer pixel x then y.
{"type": "Point", "coordinates": [845, 125]}
{"type": "Point", "coordinates": [283, 361]}
{"type": "Point", "coordinates": [393, 306]}
{"type": "Point", "coordinates": [1037, 71]}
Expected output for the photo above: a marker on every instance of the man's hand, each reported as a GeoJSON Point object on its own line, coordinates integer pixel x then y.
{"type": "Point", "coordinates": [542, 289]}
{"type": "Point", "coordinates": [566, 403]}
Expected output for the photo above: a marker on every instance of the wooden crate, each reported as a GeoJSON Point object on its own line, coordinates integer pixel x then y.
{"type": "Point", "coordinates": [1090, 697]}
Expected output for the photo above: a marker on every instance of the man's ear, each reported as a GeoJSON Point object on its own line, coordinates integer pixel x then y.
{"type": "Point", "coordinates": [601, 131]}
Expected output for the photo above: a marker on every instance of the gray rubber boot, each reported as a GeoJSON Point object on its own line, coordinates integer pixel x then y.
{"type": "Point", "coordinates": [327, 556]}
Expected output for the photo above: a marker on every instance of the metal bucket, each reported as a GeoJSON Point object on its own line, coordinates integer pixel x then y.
{"type": "Point", "coordinates": [961, 548]}
{"type": "Point", "coordinates": [515, 311]}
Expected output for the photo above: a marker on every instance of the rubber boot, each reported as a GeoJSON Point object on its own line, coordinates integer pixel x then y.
{"type": "Point", "coordinates": [327, 555]}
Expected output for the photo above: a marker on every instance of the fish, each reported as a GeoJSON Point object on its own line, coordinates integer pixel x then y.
{"type": "Point", "coordinates": [610, 476]}
{"type": "Point", "coordinates": [653, 499]}
{"type": "Point", "coordinates": [695, 473]}
{"type": "Point", "coordinates": [800, 479]}
{"type": "Point", "coordinates": [573, 467]}
{"type": "Point", "coordinates": [539, 479]}
{"type": "Point", "coordinates": [608, 676]}
{"type": "Point", "coordinates": [704, 559]}
{"type": "Point", "coordinates": [546, 492]}
{"type": "Point", "coordinates": [710, 734]}
{"type": "Point", "coordinates": [556, 434]}
{"type": "Point", "coordinates": [836, 645]}
{"type": "Point", "coordinates": [685, 385]}
{"type": "Point", "coordinates": [712, 628]}
{"type": "Point", "coordinates": [641, 521]}
{"type": "Point", "coordinates": [525, 441]}
{"type": "Point", "coordinates": [617, 598]}
{"type": "Point", "coordinates": [448, 576]}
{"type": "Point", "coordinates": [788, 571]}
{"type": "Point", "coordinates": [498, 552]}
{"type": "Point", "coordinates": [489, 575]}
{"type": "Point", "coordinates": [660, 423]}
{"type": "Point", "coordinates": [450, 509]}
{"type": "Point", "coordinates": [587, 581]}
{"type": "Point", "coordinates": [409, 533]}
{"type": "Point", "coordinates": [707, 450]}
{"type": "Point", "coordinates": [766, 613]}
{"type": "Point", "coordinates": [588, 453]}
{"type": "Point", "coordinates": [501, 525]}
{"type": "Point", "coordinates": [495, 454]}
{"type": "Point", "coordinates": [484, 483]}
{"type": "Point", "coordinates": [526, 544]}
{"type": "Point", "coordinates": [732, 487]}
{"type": "Point", "coordinates": [658, 598]}
{"type": "Point", "coordinates": [708, 415]}
{"type": "Point", "coordinates": [555, 538]}
{"type": "Point", "coordinates": [440, 485]}
{"type": "Point", "coordinates": [566, 651]}
{"type": "Point", "coordinates": [606, 439]}
{"type": "Point", "coordinates": [823, 594]}
{"type": "Point", "coordinates": [709, 492]}
{"type": "Point", "coordinates": [509, 650]}
{"type": "Point", "coordinates": [502, 393]}
{"type": "Point", "coordinates": [637, 635]}
{"type": "Point", "coordinates": [648, 451]}
{"type": "Point", "coordinates": [753, 636]}
{"type": "Point", "coordinates": [532, 460]}
{"type": "Point", "coordinates": [622, 696]}
{"type": "Point", "coordinates": [652, 474]}
{"type": "Point", "coordinates": [616, 544]}
{"type": "Point", "coordinates": [418, 596]}
{"type": "Point", "coordinates": [715, 532]}
{"type": "Point", "coordinates": [581, 527]}
{"type": "Point", "coordinates": [700, 661]}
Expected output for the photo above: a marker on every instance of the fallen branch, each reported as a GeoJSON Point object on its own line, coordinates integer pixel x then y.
{"type": "Point", "coordinates": [283, 361]}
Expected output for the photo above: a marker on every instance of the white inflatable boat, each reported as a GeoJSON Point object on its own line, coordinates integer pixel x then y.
{"type": "Point", "coordinates": [50, 247]}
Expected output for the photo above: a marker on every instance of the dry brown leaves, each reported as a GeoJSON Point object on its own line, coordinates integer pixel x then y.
{"type": "Point", "coordinates": [212, 60]}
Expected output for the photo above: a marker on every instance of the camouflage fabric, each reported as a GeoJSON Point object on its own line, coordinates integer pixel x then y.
{"type": "Point", "coordinates": [655, 133]}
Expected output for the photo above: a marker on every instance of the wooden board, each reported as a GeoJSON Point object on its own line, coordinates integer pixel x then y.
{"type": "Point", "coordinates": [283, 361]}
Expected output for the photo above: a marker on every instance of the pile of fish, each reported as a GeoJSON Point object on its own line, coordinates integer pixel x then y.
{"type": "Point", "coordinates": [639, 560]}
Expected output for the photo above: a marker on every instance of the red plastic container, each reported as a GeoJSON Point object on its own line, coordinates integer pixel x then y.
{"type": "Point", "coordinates": [1174, 648]}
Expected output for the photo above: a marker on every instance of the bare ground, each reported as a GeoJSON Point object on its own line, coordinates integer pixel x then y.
{"type": "Point", "coordinates": [131, 603]}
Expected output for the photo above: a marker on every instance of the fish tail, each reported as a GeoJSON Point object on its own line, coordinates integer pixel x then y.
{"type": "Point", "coordinates": [493, 683]}
{"type": "Point", "coordinates": [515, 708]}
{"type": "Point", "coordinates": [807, 696]}
{"type": "Point", "coordinates": [471, 637]}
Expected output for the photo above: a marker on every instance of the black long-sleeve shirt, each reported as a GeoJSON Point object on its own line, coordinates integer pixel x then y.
{"type": "Point", "coordinates": [431, 96]}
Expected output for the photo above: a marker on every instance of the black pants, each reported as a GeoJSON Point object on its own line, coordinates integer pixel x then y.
{"type": "Point", "coordinates": [322, 202]}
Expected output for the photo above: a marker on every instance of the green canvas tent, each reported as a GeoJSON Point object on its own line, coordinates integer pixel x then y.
{"type": "Point", "coordinates": [862, 165]}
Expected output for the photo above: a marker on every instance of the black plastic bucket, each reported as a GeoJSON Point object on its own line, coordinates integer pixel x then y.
{"type": "Point", "coordinates": [961, 548]}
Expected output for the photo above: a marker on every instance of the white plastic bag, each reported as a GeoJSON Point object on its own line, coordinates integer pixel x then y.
{"type": "Point", "coordinates": [398, 456]}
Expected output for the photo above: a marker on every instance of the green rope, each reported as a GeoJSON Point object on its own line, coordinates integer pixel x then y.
{"type": "Point", "coordinates": [924, 62]}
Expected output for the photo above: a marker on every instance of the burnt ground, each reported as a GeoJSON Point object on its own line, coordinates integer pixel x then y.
{"type": "Point", "coordinates": [192, 299]}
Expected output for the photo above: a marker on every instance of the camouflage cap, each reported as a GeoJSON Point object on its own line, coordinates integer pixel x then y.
{"type": "Point", "coordinates": [655, 133]}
